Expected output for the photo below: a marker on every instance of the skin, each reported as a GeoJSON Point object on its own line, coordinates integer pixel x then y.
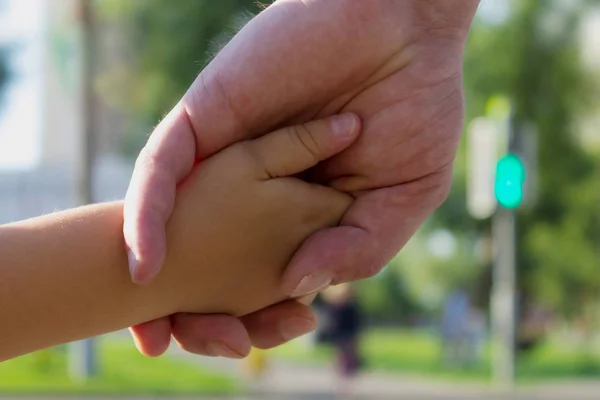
{"type": "Point", "coordinates": [396, 63]}
{"type": "Point", "coordinates": [237, 221]}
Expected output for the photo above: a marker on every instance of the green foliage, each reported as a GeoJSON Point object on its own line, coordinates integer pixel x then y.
{"type": "Point", "coordinates": [428, 278]}
{"type": "Point", "coordinates": [533, 58]}
{"type": "Point", "coordinates": [168, 46]}
{"type": "Point", "coordinates": [567, 250]}
{"type": "Point", "coordinates": [386, 298]}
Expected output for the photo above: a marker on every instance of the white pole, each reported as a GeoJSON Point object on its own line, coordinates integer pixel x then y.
{"type": "Point", "coordinates": [504, 299]}
{"type": "Point", "coordinates": [82, 355]}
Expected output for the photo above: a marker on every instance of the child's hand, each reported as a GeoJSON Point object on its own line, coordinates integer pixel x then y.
{"type": "Point", "coordinates": [237, 221]}
{"type": "Point", "coordinates": [249, 214]}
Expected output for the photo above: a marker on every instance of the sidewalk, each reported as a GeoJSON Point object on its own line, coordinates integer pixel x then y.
{"type": "Point", "coordinates": [288, 381]}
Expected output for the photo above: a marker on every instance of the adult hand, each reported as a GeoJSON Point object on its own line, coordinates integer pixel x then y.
{"type": "Point", "coordinates": [398, 64]}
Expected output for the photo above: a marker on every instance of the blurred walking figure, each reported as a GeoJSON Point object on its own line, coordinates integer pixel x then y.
{"type": "Point", "coordinates": [454, 328]}
{"type": "Point", "coordinates": [345, 328]}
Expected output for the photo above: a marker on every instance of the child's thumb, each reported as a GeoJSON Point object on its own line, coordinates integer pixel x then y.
{"type": "Point", "coordinates": [295, 149]}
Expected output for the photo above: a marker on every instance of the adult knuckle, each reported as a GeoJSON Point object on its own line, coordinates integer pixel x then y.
{"type": "Point", "coordinates": [145, 159]}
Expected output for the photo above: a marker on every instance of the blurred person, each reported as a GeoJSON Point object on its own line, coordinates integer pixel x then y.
{"type": "Point", "coordinates": [237, 221]}
{"type": "Point", "coordinates": [323, 333]}
{"type": "Point", "coordinates": [455, 327]}
{"type": "Point", "coordinates": [345, 330]}
{"type": "Point", "coordinates": [397, 63]}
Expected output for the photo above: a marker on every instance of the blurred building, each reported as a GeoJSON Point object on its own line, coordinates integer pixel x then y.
{"type": "Point", "coordinates": [51, 70]}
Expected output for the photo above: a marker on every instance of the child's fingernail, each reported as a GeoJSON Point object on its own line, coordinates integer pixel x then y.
{"type": "Point", "coordinates": [133, 262]}
{"type": "Point", "coordinates": [219, 349]}
{"type": "Point", "coordinates": [312, 283]}
{"type": "Point", "coordinates": [343, 125]}
{"type": "Point", "coordinates": [295, 327]}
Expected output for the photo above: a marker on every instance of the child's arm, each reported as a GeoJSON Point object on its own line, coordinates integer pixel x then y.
{"type": "Point", "coordinates": [237, 221]}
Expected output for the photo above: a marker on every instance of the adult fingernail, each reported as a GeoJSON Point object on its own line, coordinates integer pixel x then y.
{"type": "Point", "coordinates": [295, 327]}
{"type": "Point", "coordinates": [133, 263]}
{"type": "Point", "coordinates": [220, 349]}
{"type": "Point", "coordinates": [312, 283]}
{"type": "Point", "coordinates": [343, 125]}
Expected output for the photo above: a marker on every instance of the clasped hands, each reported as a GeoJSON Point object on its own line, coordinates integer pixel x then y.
{"type": "Point", "coordinates": [394, 64]}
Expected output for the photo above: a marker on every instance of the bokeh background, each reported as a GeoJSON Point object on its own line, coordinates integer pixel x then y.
{"type": "Point", "coordinates": [82, 83]}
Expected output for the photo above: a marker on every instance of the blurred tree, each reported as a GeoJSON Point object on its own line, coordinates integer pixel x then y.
{"type": "Point", "coordinates": [533, 58]}
{"type": "Point", "coordinates": [386, 299]}
{"type": "Point", "coordinates": [168, 44]}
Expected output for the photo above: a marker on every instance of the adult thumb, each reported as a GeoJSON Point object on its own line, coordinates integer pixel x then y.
{"type": "Point", "coordinates": [295, 149]}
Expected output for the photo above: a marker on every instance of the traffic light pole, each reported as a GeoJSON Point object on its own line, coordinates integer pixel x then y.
{"type": "Point", "coordinates": [504, 298]}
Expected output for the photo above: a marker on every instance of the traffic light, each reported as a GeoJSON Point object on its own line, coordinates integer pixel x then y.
{"type": "Point", "coordinates": [510, 180]}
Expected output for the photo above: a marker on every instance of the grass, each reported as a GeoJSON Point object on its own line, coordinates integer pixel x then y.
{"type": "Point", "coordinates": [122, 371]}
{"type": "Point", "coordinates": [418, 353]}
{"type": "Point", "coordinates": [556, 362]}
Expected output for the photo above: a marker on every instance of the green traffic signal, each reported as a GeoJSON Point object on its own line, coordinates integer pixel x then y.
{"type": "Point", "coordinates": [510, 179]}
